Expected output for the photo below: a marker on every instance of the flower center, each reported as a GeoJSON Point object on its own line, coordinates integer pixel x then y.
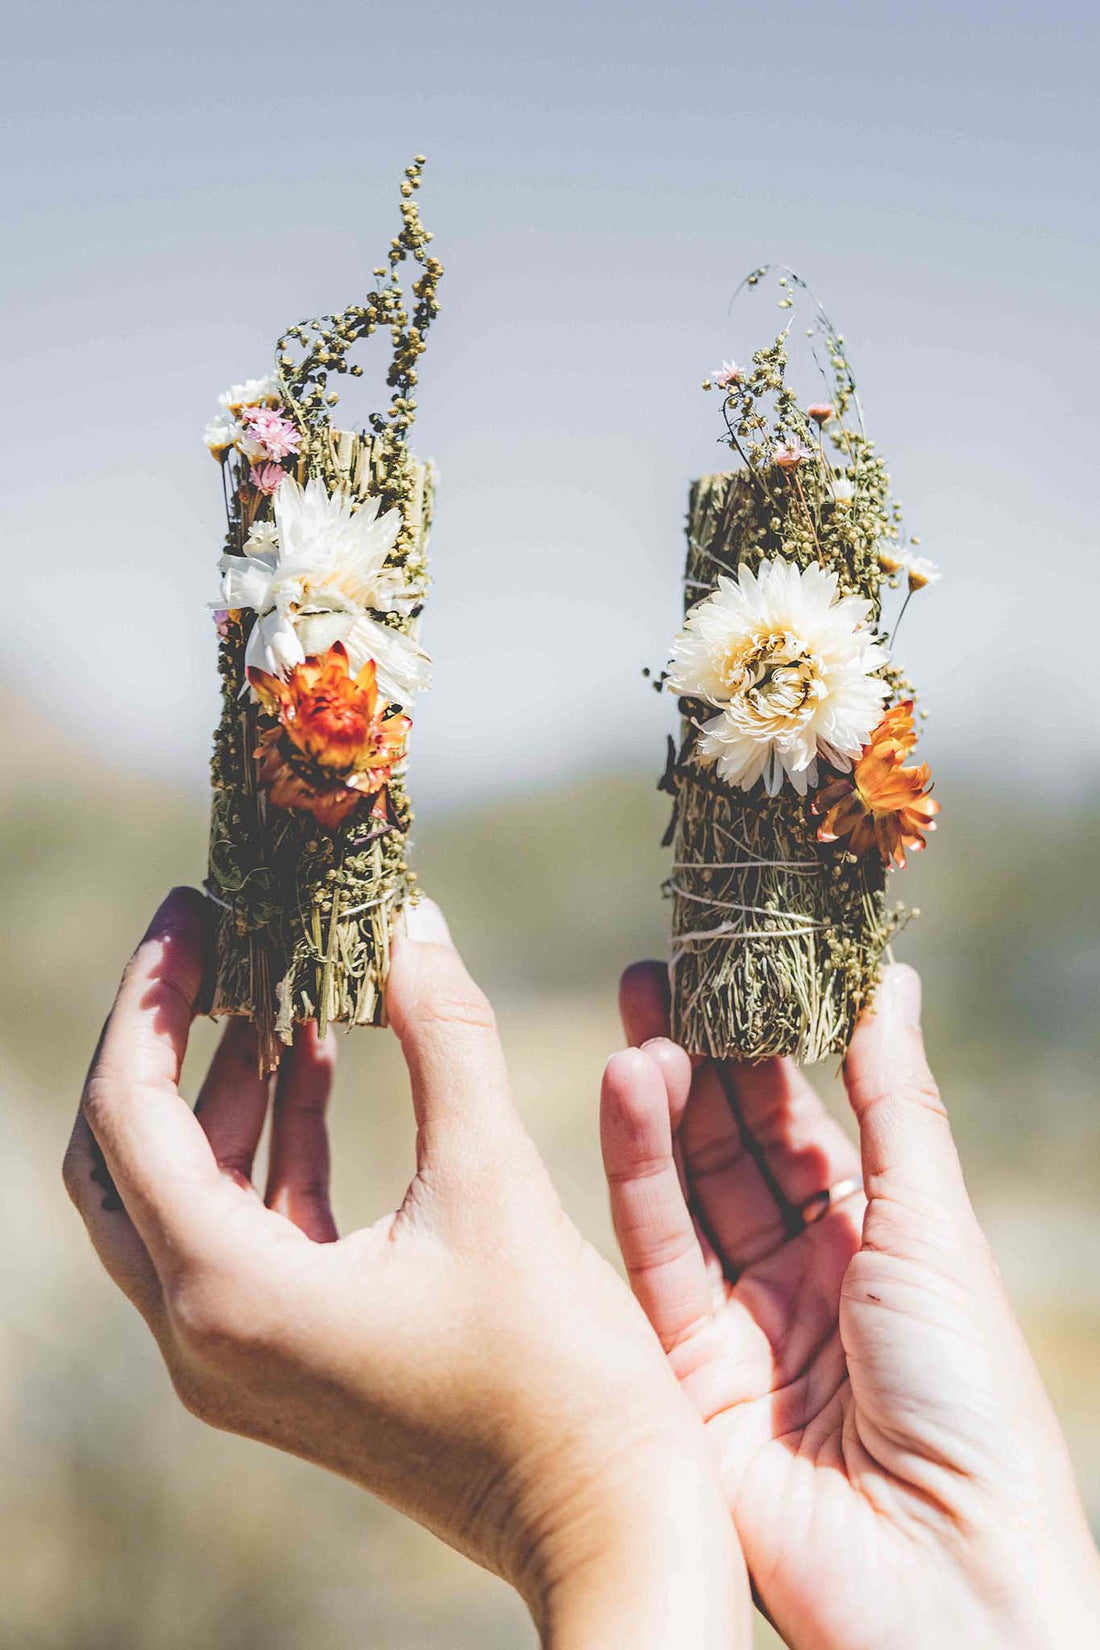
{"type": "Point", "coordinates": [773, 679]}
{"type": "Point", "coordinates": [331, 728]}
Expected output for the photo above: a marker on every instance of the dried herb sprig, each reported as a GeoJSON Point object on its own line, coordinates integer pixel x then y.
{"type": "Point", "coordinates": [326, 341]}
{"type": "Point", "coordinates": [305, 914]}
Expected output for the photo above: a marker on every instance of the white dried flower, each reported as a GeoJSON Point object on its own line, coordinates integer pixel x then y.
{"type": "Point", "coordinates": [313, 578]}
{"type": "Point", "coordinates": [262, 535]}
{"type": "Point", "coordinates": [254, 392]}
{"type": "Point", "coordinates": [221, 433]}
{"type": "Point", "coordinates": [921, 570]}
{"type": "Point", "coordinates": [789, 664]}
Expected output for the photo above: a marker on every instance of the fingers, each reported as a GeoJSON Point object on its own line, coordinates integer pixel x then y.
{"type": "Point", "coordinates": [157, 1153]}
{"type": "Point", "coordinates": [298, 1179]}
{"type": "Point", "coordinates": [232, 1102]}
{"type": "Point", "coordinates": [643, 1002]}
{"type": "Point", "coordinates": [446, 1028]}
{"type": "Point", "coordinates": [739, 1206]}
{"type": "Point", "coordinates": [909, 1156]}
{"type": "Point", "coordinates": [146, 1033]}
{"type": "Point", "coordinates": [758, 1147]}
{"type": "Point", "coordinates": [660, 1250]}
{"type": "Point", "coordinates": [113, 1234]}
{"type": "Point", "coordinates": [232, 1106]}
{"type": "Point", "coordinates": [756, 1141]}
{"type": "Point", "coordinates": [805, 1150]}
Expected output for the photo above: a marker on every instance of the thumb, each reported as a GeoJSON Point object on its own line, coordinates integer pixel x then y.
{"type": "Point", "coordinates": [909, 1157]}
{"type": "Point", "coordinates": [446, 1027]}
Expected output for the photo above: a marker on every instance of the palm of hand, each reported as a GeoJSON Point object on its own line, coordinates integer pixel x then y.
{"type": "Point", "coordinates": [842, 1367]}
{"type": "Point", "coordinates": [467, 1357]}
{"type": "Point", "coordinates": [827, 1495]}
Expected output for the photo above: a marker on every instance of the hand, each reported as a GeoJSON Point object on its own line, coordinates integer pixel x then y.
{"type": "Point", "coordinates": [468, 1357]}
{"type": "Point", "coordinates": [894, 1469]}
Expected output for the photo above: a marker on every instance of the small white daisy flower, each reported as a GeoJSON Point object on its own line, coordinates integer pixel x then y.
{"type": "Point", "coordinates": [254, 392]}
{"type": "Point", "coordinates": [790, 666]}
{"type": "Point", "coordinates": [921, 570]}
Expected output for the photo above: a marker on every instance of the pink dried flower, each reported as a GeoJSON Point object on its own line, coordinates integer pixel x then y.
{"type": "Point", "coordinates": [821, 411]}
{"type": "Point", "coordinates": [728, 373]}
{"type": "Point", "coordinates": [791, 453]}
{"type": "Point", "coordinates": [275, 433]}
{"type": "Point", "coordinates": [267, 478]}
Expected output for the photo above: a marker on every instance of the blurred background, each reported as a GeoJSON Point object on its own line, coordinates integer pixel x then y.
{"type": "Point", "coordinates": [184, 182]}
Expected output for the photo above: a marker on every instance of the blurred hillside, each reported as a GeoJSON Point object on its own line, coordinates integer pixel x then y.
{"type": "Point", "coordinates": [552, 891]}
{"type": "Point", "coordinates": [127, 1525]}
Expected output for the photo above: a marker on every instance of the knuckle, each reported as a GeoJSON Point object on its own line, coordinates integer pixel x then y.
{"type": "Point", "coordinates": [314, 1191]}
{"type": "Point", "coordinates": [225, 1313]}
{"type": "Point", "coordinates": [460, 1007]}
{"type": "Point", "coordinates": [202, 1329]}
{"type": "Point", "coordinates": [913, 1089]}
{"type": "Point", "coordinates": [643, 1164]}
{"type": "Point", "coordinates": [919, 1089]}
{"type": "Point", "coordinates": [442, 993]}
{"type": "Point", "coordinates": [652, 1251]}
{"type": "Point", "coordinates": [98, 1093]}
{"type": "Point", "coordinates": [205, 1319]}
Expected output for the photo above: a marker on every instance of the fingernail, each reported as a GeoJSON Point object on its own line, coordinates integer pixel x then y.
{"type": "Point", "coordinates": [631, 1060]}
{"type": "Point", "coordinates": [903, 985]}
{"type": "Point", "coordinates": [426, 923]}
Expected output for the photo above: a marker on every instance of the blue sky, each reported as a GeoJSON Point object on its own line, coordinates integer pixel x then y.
{"type": "Point", "coordinates": [183, 181]}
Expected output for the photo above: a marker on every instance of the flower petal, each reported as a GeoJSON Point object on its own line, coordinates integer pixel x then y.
{"type": "Point", "coordinates": [404, 670]}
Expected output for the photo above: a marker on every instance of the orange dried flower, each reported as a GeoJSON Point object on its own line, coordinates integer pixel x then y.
{"type": "Point", "coordinates": [895, 734]}
{"type": "Point", "coordinates": [333, 744]}
{"type": "Point", "coordinates": [881, 804]}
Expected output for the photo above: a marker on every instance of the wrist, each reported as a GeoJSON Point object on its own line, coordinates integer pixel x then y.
{"type": "Point", "coordinates": [645, 1557]}
{"type": "Point", "coordinates": [1064, 1609]}
{"type": "Point", "coordinates": [1042, 1593]}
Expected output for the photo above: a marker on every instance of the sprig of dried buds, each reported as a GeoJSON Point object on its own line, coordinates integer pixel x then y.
{"type": "Point", "coordinates": [324, 576]}
{"type": "Point", "coordinates": [791, 794]}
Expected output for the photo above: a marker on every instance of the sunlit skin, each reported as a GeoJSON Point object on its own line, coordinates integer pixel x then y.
{"type": "Point", "coordinates": [892, 1464]}
{"type": "Point", "coordinates": [875, 1425]}
{"type": "Point", "coordinates": [467, 1357]}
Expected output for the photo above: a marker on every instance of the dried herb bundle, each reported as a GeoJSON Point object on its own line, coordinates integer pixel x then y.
{"type": "Point", "coordinates": [790, 805]}
{"type": "Point", "coordinates": [307, 864]}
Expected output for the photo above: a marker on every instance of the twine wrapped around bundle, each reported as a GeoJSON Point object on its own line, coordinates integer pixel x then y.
{"type": "Point", "coordinates": [304, 915]}
{"type": "Point", "coordinates": [776, 945]}
{"type": "Point", "coordinates": [793, 793]}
